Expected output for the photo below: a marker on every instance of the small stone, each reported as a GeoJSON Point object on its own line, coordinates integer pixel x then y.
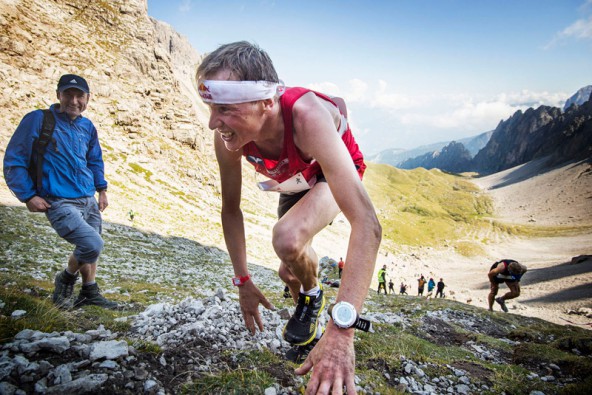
{"type": "Point", "coordinates": [18, 314]}
{"type": "Point", "coordinates": [270, 391]}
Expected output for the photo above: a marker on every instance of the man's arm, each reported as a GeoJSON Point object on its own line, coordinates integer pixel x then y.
{"type": "Point", "coordinates": [334, 358]}
{"type": "Point", "coordinates": [495, 271]}
{"type": "Point", "coordinates": [233, 226]}
{"type": "Point", "coordinates": [18, 157]}
{"type": "Point", "coordinates": [94, 160]}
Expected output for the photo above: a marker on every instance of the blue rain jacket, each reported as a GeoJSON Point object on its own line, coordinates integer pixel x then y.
{"type": "Point", "coordinates": [73, 163]}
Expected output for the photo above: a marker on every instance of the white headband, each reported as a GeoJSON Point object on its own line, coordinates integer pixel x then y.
{"type": "Point", "coordinates": [233, 92]}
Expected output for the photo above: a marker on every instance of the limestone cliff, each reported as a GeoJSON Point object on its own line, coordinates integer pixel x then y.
{"type": "Point", "coordinates": [153, 129]}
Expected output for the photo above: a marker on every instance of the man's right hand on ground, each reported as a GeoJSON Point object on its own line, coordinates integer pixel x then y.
{"type": "Point", "coordinates": [250, 297]}
{"type": "Point", "coordinates": [38, 205]}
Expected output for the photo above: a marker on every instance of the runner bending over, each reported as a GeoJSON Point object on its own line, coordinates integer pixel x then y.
{"type": "Point", "coordinates": [301, 141]}
{"type": "Point", "coordinates": [505, 271]}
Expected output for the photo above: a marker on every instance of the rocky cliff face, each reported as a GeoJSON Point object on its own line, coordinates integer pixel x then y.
{"type": "Point", "coordinates": [579, 98]}
{"type": "Point", "coordinates": [454, 158]}
{"type": "Point", "coordinates": [534, 134]}
{"type": "Point", "coordinates": [157, 148]}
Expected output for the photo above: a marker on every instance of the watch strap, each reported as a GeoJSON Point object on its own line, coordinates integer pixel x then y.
{"type": "Point", "coordinates": [363, 325]}
{"type": "Point", "coordinates": [241, 280]}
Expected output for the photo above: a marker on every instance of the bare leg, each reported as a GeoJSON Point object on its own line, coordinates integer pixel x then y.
{"type": "Point", "coordinates": [87, 270]}
{"type": "Point", "coordinates": [514, 291]}
{"type": "Point", "coordinates": [291, 281]}
{"type": "Point", "coordinates": [292, 235]}
{"type": "Point", "coordinates": [494, 287]}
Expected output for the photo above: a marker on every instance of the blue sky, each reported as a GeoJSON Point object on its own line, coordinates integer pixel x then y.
{"type": "Point", "coordinates": [412, 72]}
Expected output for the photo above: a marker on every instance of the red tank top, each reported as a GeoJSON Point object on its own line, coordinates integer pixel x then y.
{"type": "Point", "coordinates": [290, 162]}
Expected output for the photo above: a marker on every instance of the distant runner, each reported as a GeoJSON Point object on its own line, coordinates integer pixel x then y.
{"type": "Point", "coordinates": [505, 271]}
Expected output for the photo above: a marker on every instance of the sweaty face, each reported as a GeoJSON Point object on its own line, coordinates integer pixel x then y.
{"type": "Point", "coordinates": [236, 124]}
{"type": "Point", "coordinates": [73, 102]}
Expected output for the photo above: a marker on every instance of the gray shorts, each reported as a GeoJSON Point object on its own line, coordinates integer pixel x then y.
{"type": "Point", "coordinates": [79, 222]}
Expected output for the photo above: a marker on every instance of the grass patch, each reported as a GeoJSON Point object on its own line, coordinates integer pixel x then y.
{"type": "Point", "coordinates": [40, 315]}
{"type": "Point", "coordinates": [468, 248]}
{"type": "Point", "coordinates": [426, 207]}
{"type": "Point", "coordinates": [241, 381]}
{"type": "Point", "coordinates": [136, 168]}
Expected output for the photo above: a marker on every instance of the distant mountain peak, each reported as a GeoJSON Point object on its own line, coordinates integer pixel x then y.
{"type": "Point", "coordinates": [580, 97]}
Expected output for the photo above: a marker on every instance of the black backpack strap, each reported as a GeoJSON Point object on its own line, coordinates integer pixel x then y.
{"type": "Point", "coordinates": [41, 143]}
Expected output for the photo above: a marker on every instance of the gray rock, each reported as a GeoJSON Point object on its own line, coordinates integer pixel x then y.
{"type": "Point", "coordinates": [140, 374]}
{"type": "Point", "coordinates": [6, 368]}
{"type": "Point", "coordinates": [7, 389]}
{"type": "Point", "coordinates": [150, 386]}
{"type": "Point", "coordinates": [108, 364]}
{"type": "Point", "coordinates": [111, 349]}
{"type": "Point", "coordinates": [62, 374]}
{"type": "Point", "coordinates": [464, 380]}
{"type": "Point", "coordinates": [270, 391]}
{"type": "Point", "coordinates": [81, 385]}
{"type": "Point", "coordinates": [18, 314]}
{"type": "Point", "coordinates": [54, 344]}
{"type": "Point", "coordinates": [462, 389]}
{"type": "Point", "coordinates": [25, 334]}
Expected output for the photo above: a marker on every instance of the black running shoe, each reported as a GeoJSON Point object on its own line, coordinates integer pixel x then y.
{"type": "Point", "coordinates": [301, 329]}
{"type": "Point", "coordinates": [502, 303]}
{"type": "Point", "coordinates": [64, 287]}
{"type": "Point", "coordinates": [298, 354]}
{"type": "Point", "coordinates": [91, 296]}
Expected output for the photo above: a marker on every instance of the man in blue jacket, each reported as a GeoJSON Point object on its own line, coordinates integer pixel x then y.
{"type": "Point", "coordinates": [73, 171]}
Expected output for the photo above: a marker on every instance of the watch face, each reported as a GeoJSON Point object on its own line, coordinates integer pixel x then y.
{"type": "Point", "coordinates": [344, 315]}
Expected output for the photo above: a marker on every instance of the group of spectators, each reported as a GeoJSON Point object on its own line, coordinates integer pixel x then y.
{"type": "Point", "coordinates": [421, 283]}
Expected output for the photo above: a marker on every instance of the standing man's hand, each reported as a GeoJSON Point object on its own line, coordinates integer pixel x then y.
{"type": "Point", "coordinates": [249, 298]}
{"type": "Point", "coordinates": [103, 201]}
{"type": "Point", "coordinates": [38, 205]}
{"type": "Point", "coordinates": [332, 362]}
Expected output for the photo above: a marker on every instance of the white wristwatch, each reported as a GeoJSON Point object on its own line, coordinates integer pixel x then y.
{"type": "Point", "coordinates": [345, 316]}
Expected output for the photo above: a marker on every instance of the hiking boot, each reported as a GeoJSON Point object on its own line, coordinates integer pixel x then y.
{"type": "Point", "coordinates": [64, 287]}
{"type": "Point", "coordinates": [91, 296]}
{"type": "Point", "coordinates": [298, 354]}
{"type": "Point", "coordinates": [502, 303]}
{"type": "Point", "coordinates": [301, 329]}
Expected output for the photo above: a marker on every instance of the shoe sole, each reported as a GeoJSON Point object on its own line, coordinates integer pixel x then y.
{"type": "Point", "coordinates": [310, 339]}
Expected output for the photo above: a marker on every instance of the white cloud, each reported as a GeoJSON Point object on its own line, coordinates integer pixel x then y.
{"type": "Point", "coordinates": [580, 29]}
{"type": "Point", "coordinates": [465, 113]}
{"type": "Point", "coordinates": [391, 101]}
{"type": "Point", "coordinates": [185, 6]}
{"type": "Point", "coordinates": [355, 91]}
{"type": "Point", "coordinates": [328, 88]}
{"type": "Point", "coordinates": [458, 113]}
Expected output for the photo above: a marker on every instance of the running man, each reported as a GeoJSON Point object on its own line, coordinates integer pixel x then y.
{"type": "Point", "coordinates": [301, 141]}
{"type": "Point", "coordinates": [505, 271]}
